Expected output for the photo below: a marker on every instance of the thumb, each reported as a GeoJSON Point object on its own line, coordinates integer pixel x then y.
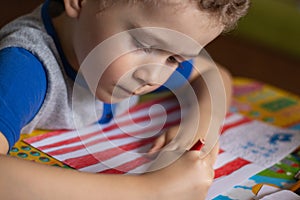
{"type": "Point", "coordinates": [211, 157]}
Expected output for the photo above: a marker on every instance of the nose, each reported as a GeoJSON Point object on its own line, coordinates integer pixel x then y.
{"type": "Point", "coordinates": [145, 75]}
{"type": "Point", "coordinates": [150, 77]}
{"type": "Point", "coordinates": [152, 74]}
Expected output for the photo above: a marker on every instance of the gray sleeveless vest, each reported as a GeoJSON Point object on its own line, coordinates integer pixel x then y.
{"type": "Point", "coordinates": [57, 111]}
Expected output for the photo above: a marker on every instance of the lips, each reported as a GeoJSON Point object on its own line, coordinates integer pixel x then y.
{"type": "Point", "coordinates": [141, 90]}
{"type": "Point", "coordinates": [123, 92]}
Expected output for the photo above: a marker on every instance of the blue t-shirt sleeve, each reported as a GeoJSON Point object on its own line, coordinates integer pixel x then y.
{"type": "Point", "coordinates": [22, 90]}
{"type": "Point", "coordinates": [179, 78]}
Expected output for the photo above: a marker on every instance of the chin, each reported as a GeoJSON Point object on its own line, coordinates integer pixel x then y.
{"type": "Point", "coordinates": [111, 99]}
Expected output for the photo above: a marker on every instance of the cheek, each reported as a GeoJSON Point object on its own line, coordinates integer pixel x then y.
{"type": "Point", "coordinates": [117, 73]}
{"type": "Point", "coordinates": [113, 74]}
{"type": "Point", "coordinates": [120, 69]}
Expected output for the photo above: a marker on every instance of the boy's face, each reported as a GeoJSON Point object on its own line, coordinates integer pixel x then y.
{"type": "Point", "coordinates": [152, 54]}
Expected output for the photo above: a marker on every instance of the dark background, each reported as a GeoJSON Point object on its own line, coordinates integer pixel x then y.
{"type": "Point", "coordinates": [248, 51]}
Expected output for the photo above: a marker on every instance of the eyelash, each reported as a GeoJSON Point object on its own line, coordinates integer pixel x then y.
{"type": "Point", "coordinates": [150, 49]}
{"type": "Point", "coordinates": [172, 60]}
{"type": "Point", "coordinates": [143, 47]}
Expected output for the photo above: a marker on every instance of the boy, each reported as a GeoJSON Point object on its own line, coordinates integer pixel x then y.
{"type": "Point", "coordinates": [42, 54]}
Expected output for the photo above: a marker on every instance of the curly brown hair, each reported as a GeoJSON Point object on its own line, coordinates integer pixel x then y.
{"type": "Point", "coordinates": [228, 12]}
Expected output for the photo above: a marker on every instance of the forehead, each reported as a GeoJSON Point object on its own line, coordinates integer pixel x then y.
{"type": "Point", "coordinates": [182, 16]}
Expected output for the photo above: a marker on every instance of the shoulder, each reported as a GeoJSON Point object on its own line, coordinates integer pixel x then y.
{"type": "Point", "coordinates": [13, 57]}
{"type": "Point", "coordinates": [18, 65]}
{"type": "Point", "coordinates": [21, 69]}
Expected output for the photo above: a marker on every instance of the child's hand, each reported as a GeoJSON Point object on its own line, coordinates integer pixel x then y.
{"type": "Point", "coordinates": [168, 137]}
{"type": "Point", "coordinates": [163, 140]}
{"type": "Point", "coordinates": [188, 178]}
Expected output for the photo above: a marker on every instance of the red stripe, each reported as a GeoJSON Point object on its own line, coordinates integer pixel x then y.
{"type": "Point", "coordinates": [109, 138]}
{"type": "Point", "coordinates": [229, 114]}
{"type": "Point", "coordinates": [112, 171]}
{"type": "Point", "coordinates": [106, 129]}
{"type": "Point", "coordinates": [91, 159]}
{"type": "Point", "coordinates": [133, 109]}
{"type": "Point", "coordinates": [45, 136]}
{"type": "Point", "coordinates": [234, 124]}
{"type": "Point", "coordinates": [148, 104]}
{"type": "Point", "coordinates": [141, 119]}
{"type": "Point", "coordinates": [231, 167]}
{"type": "Point", "coordinates": [55, 133]}
{"type": "Point", "coordinates": [221, 151]}
{"type": "Point", "coordinates": [197, 146]}
{"type": "Point", "coordinates": [126, 167]}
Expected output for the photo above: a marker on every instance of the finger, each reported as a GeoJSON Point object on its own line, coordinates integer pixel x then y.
{"type": "Point", "coordinates": [212, 156]}
{"type": "Point", "coordinates": [158, 144]}
{"type": "Point", "coordinates": [171, 134]}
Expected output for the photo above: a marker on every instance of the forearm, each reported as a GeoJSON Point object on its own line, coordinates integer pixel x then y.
{"type": "Point", "coordinates": [205, 100]}
{"type": "Point", "coordinates": [205, 115]}
{"type": "Point", "coordinates": [22, 179]}
{"type": "Point", "coordinates": [3, 144]}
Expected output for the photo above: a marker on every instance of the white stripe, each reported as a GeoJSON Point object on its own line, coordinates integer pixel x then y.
{"type": "Point", "coordinates": [233, 118]}
{"type": "Point", "coordinates": [94, 128]}
{"type": "Point", "coordinates": [114, 132]}
{"type": "Point", "coordinates": [141, 169]}
{"type": "Point", "coordinates": [129, 129]}
{"type": "Point", "coordinates": [95, 148]}
{"type": "Point", "coordinates": [67, 134]}
{"type": "Point", "coordinates": [117, 160]}
{"type": "Point", "coordinates": [223, 159]}
{"type": "Point", "coordinates": [155, 108]}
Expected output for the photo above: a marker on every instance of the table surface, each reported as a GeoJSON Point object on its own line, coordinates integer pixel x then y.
{"type": "Point", "coordinates": [251, 98]}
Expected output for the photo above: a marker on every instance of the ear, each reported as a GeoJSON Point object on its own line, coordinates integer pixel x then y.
{"type": "Point", "coordinates": [73, 7]}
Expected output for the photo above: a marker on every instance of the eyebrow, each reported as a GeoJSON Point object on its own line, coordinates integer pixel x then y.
{"type": "Point", "coordinates": [160, 40]}
{"type": "Point", "coordinates": [190, 55]}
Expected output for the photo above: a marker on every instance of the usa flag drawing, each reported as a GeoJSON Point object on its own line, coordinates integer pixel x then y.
{"type": "Point", "coordinates": [121, 146]}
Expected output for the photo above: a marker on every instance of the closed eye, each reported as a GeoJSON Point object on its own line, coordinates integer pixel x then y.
{"type": "Point", "coordinates": [175, 59]}
{"type": "Point", "coordinates": [171, 60]}
{"type": "Point", "coordinates": [145, 48]}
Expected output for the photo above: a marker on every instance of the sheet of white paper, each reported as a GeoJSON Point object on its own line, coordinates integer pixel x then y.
{"type": "Point", "coordinates": [260, 143]}
{"type": "Point", "coordinates": [247, 146]}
